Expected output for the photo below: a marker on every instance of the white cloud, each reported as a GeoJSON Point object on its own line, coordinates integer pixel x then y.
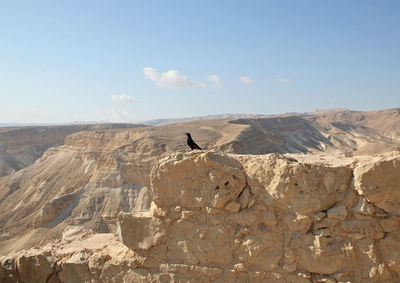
{"type": "Point", "coordinates": [123, 98]}
{"type": "Point", "coordinates": [215, 80]}
{"type": "Point", "coordinates": [246, 80]}
{"type": "Point", "coordinates": [170, 79]}
{"type": "Point", "coordinates": [279, 80]}
{"type": "Point", "coordinates": [114, 115]}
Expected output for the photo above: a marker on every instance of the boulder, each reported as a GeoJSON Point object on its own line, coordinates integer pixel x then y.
{"type": "Point", "coordinates": [197, 179]}
{"type": "Point", "coordinates": [299, 187]}
{"type": "Point", "coordinates": [379, 182]}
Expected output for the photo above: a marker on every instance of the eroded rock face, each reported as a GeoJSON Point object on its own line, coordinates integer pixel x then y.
{"type": "Point", "coordinates": [379, 182]}
{"type": "Point", "coordinates": [222, 218]}
{"type": "Point", "coordinates": [299, 187]}
{"type": "Point", "coordinates": [199, 179]}
{"type": "Point", "coordinates": [287, 222]}
{"type": "Point", "coordinates": [81, 256]}
{"type": "Point", "coordinates": [87, 182]}
{"type": "Point", "coordinates": [55, 208]}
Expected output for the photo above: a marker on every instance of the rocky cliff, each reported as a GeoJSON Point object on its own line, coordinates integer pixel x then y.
{"type": "Point", "coordinates": [238, 218]}
{"type": "Point", "coordinates": [96, 174]}
{"type": "Point", "coordinates": [338, 132]}
{"type": "Point", "coordinates": [21, 146]}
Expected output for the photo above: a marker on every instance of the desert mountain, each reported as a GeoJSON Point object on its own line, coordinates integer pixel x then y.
{"type": "Point", "coordinates": [95, 175]}
{"type": "Point", "coordinates": [322, 132]}
{"type": "Point", "coordinates": [160, 122]}
{"type": "Point", "coordinates": [21, 146]}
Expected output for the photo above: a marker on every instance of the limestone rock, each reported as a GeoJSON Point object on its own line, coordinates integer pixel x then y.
{"type": "Point", "coordinates": [81, 257]}
{"type": "Point", "coordinates": [143, 201]}
{"type": "Point", "coordinates": [197, 179]}
{"type": "Point", "coordinates": [390, 251]}
{"type": "Point", "coordinates": [363, 207]}
{"type": "Point", "coordinates": [360, 229]}
{"type": "Point", "coordinates": [246, 218]}
{"type": "Point", "coordinates": [140, 231]}
{"type": "Point", "coordinates": [261, 251]}
{"type": "Point", "coordinates": [269, 218]}
{"type": "Point", "coordinates": [8, 270]}
{"type": "Point", "coordinates": [379, 182]}
{"type": "Point", "coordinates": [319, 216]}
{"type": "Point", "coordinates": [256, 226]}
{"type": "Point", "coordinates": [389, 224]}
{"type": "Point", "coordinates": [338, 212]}
{"type": "Point", "coordinates": [191, 243]}
{"type": "Point", "coordinates": [298, 222]}
{"type": "Point", "coordinates": [74, 270]}
{"type": "Point", "coordinates": [245, 198]}
{"type": "Point", "coordinates": [34, 268]}
{"type": "Point", "coordinates": [232, 206]}
{"type": "Point", "coordinates": [300, 187]}
{"type": "Point", "coordinates": [55, 208]}
{"type": "Point", "coordinates": [324, 255]}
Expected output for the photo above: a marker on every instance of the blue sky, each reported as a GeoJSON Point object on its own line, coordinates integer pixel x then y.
{"type": "Point", "coordinates": [125, 61]}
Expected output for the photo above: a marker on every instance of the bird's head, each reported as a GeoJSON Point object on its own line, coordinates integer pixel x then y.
{"type": "Point", "coordinates": [187, 134]}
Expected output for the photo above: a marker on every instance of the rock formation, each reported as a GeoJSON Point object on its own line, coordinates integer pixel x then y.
{"type": "Point", "coordinates": [334, 132]}
{"type": "Point", "coordinates": [21, 146]}
{"type": "Point", "coordinates": [235, 218]}
{"type": "Point", "coordinates": [320, 217]}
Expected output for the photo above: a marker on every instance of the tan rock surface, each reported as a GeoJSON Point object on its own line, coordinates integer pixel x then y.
{"type": "Point", "coordinates": [81, 256]}
{"type": "Point", "coordinates": [269, 241]}
{"type": "Point", "coordinates": [98, 173]}
{"type": "Point", "coordinates": [190, 236]}
{"type": "Point", "coordinates": [297, 186]}
{"type": "Point", "coordinates": [21, 146]}
{"type": "Point", "coordinates": [201, 215]}
{"type": "Point", "coordinates": [379, 182]}
{"type": "Point", "coordinates": [219, 188]}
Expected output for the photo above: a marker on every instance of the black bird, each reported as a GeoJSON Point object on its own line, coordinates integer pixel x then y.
{"type": "Point", "coordinates": [190, 142]}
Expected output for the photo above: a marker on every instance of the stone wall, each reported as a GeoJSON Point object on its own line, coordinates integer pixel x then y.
{"type": "Point", "coordinates": [231, 218]}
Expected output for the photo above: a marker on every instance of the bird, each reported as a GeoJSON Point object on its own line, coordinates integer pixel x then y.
{"type": "Point", "coordinates": [190, 142]}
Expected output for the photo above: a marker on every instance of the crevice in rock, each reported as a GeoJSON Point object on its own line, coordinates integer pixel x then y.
{"type": "Point", "coordinates": [54, 275]}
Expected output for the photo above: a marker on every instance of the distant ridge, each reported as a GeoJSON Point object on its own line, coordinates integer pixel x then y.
{"type": "Point", "coordinates": [164, 121]}
{"type": "Point", "coordinates": [329, 110]}
{"type": "Point", "coordinates": [159, 122]}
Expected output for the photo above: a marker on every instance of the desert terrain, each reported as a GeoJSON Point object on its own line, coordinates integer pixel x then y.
{"type": "Point", "coordinates": [311, 197]}
{"type": "Point", "coordinates": [21, 146]}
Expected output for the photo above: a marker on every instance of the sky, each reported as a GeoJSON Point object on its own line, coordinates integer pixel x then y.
{"type": "Point", "coordinates": [126, 61]}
